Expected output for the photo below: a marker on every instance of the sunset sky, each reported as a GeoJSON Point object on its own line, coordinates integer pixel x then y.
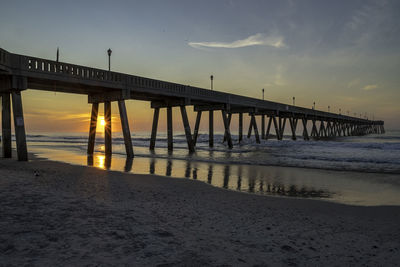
{"type": "Point", "coordinates": [344, 54]}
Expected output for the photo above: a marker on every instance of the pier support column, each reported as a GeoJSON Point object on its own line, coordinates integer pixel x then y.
{"type": "Point", "coordinates": [305, 131]}
{"type": "Point", "coordinates": [325, 130]}
{"type": "Point", "coordinates": [240, 127]}
{"type": "Point", "coordinates": [229, 124]}
{"type": "Point", "coordinates": [337, 133]}
{"type": "Point", "coordinates": [226, 126]}
{"type": "Point", "coordinates": [253, 118]}
{"type": "Point", "coordinates": [322, 131]}
{"type": "Point", "coordinates": [6, 125]}
{"type": "Point", "coordinates": [125, 128]}
{"type": "Point", "coordinates": [268, 128]}
{"type": "Point", "coordinates": [107, 128]}
{"type": "Point", "coordinates": [262, 126]}
{"type": "Point", "coordinates": [276, 128]}
{"type": "Point", "coordinates": [186, 126]}
{"type": "Point", "coordinates": [19, 126]}
{"type": "Point", "coordinates": [92, 128]}
{"type": "Point", "coordinates": [154, 128]}
{"type": "Point", "coordinates": [293, 128]}
{"type": "Point", "coordinates": [339, 129]}
{"type": "Point", "coordinates": [314, 131]}
{"type": "Point", "coordinates": [211, 128]}
{"type": "Point", "coordinates": [169, 129]}
{"type": "Point", "coordinates": [281, 127]}
{"type": "Point", "coordinates": [196, 128]}
{"type": "Point", "coordinates": [250, 127]}
{"type": "Point", "coordinates": [328, 128]}
{"type": "Point", "coordinates": [343, 127]}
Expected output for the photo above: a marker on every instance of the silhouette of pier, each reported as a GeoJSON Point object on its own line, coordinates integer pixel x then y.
{"type": "Point", "coordinates": [20, 72]}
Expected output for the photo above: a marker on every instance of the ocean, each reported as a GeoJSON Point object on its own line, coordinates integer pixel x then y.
{"type": "Point", "coordinates": [360, 170]}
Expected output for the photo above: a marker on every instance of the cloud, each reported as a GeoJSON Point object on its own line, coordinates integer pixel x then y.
{"type": "Point", "coordinates": [370, 87]}
{"type": "Point", "coordinates": [257, 39]}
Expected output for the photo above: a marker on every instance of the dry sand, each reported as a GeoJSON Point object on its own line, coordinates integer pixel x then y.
{"type": "Point", "coordinates": [74, 215]}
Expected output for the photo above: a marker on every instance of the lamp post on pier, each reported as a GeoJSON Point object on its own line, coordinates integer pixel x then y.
{"type": "Point", "coordinates": [263, 93]}
{"type": "Point", "coordinates": [294, 100]}
{"type": "Point", "coordinates": [329, 108]}
{"type": "Point", "coordinates": [109, 51]}
{"type": "Point", "coordinates": [314, 105]}
{"type": "Point", "coordinates": [212, 79]}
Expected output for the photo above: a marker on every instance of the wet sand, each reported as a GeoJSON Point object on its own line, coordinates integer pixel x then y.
{"type": "Point", "coordinates": [54, 213]}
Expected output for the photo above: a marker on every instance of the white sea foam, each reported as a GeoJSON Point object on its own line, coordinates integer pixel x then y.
{"type": "Point", "coordinates": [372, 153]}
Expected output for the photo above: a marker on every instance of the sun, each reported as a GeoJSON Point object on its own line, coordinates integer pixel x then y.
{"type": "Point", "coordinates": [101, 124]}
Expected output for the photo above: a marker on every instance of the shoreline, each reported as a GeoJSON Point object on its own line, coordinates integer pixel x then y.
{"type": "Point", "coordinates": [202, 160]}
{"type": "Point", "coordinates": [76, 215]}
{"type": "Point", "coordinates": [347, 187]}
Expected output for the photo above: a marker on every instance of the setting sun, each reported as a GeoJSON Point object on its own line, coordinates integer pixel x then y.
{"type": "Point", "coordinates": [101, 124]}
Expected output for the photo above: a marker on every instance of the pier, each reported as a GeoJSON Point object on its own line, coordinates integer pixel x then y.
{"type": "Point", "coordinates": [21, 72]}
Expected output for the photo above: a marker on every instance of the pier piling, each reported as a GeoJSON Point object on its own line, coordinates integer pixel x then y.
{"type": "Point", "coordinates": [169, 129]}
{"type": "Point", "coordinates": [6, 125]}
{"type": "Point", "coordinates": [211, 128]}
{"type": "Point", "coordinates": [240, 127]}
{"type": "Point", "coordinates": [196, 127]}
{"type": "Point", "coordinates": [107, 128]}
{"type": "Point", "coordinates": [125, 128]}
{"type": "Point", "coordinates": [154, 128]}
{"type": "Point", "coordinates": [19, 125]}
{"type": "Point", "coordinates": [226, 126]}
{"type": "Point", "coordinates": [268, 128]}
{"type": "Point", "coordinates": [92, 128]}
{"type": "Point", "coordinates": [186, 126]}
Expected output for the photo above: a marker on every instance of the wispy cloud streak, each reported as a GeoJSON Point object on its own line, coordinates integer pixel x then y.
{"type": "Point", "coordinates": [370, 87]}
{"type": "Point", "coordinates": [257, 39]}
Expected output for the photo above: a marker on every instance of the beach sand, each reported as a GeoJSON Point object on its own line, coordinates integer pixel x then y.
{"type": "Point", "coordinates": [55, 214]}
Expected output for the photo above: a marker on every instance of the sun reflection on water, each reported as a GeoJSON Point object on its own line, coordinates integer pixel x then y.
{"type": "Point", "coordinates": [100, 162]}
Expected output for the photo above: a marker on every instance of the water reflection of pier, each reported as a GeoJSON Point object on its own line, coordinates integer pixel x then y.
{"type": "Point", "coordinates": [234, 177]}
